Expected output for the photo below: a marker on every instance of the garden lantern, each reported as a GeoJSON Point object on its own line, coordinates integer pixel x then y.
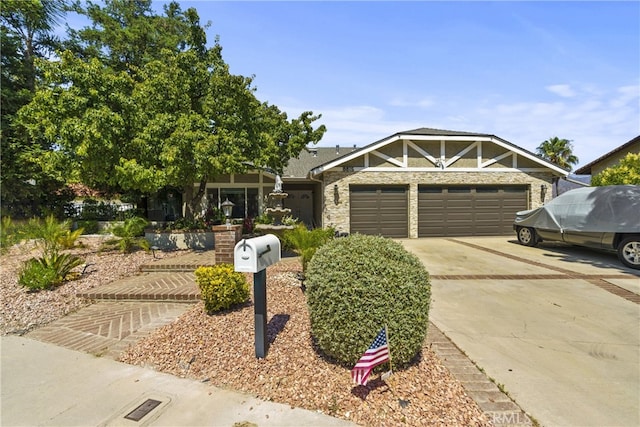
{"type": "Point", "coordinates": [227, 207]}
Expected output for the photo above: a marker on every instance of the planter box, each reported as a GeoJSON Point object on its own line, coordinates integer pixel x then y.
{"type": "Point", "coordinates": [199, 240]}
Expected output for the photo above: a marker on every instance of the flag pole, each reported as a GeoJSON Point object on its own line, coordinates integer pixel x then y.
{"type": "Point", "coordinates": [386, 333]}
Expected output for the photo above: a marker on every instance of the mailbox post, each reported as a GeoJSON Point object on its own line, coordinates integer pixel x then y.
{"type": "Point", "coordinates": [254, 256]}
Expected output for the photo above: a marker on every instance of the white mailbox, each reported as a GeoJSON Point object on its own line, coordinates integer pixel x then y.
{"type": "Point", "coordinates": [256, 254]}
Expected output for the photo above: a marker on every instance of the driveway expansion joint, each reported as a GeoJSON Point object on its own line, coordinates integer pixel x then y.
{"type": "Point", "coordinates": [598, 280]}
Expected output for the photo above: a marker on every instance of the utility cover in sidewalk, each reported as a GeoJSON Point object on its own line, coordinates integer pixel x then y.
{"type": "Point", "coordinates": [142, 410]}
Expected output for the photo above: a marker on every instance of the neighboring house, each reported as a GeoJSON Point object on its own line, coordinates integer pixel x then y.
{"type": "Point", "coordinates": [418, 183]}
{"type": "Point", "coordinates": [612, 158]}
{"type": "Point", "coordinates": [572, 182]}
{"type": "Point", "coordinates": [97, 203]}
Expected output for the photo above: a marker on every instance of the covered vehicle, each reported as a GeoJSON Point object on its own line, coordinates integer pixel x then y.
{"type": "Point", "coordinates": [597, 217]}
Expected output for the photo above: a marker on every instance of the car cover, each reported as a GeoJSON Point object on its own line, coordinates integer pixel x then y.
{"type": "Point", "coordinates": [609, 209]}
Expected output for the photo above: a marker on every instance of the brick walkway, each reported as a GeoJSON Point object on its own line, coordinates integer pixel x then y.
{"type": "Point", "coordinates": [107, 328]}
{"type": "Point", "coordinates": [188, 262]}
{"type": "Point", "coordinates": [163, 286]}
{"type": "Point", "coordinates": [129, 309]}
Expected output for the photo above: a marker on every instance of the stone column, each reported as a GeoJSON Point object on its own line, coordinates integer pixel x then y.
{"type": "Point", "coordinates": [225, 239]}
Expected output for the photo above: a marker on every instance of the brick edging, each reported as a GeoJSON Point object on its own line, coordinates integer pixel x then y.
{"type": "Point", "coordinates": [497, 406]}
{"type": "Point", "coordinates": [595, 279]}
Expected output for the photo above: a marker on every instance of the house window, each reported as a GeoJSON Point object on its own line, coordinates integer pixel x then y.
{"type": "Point", "coordinates": [253, 203]}
{"type": "Point", "coordinates": [212, 198]}
{"type": "Point", "coordinates": [246, 200]}
{"type": "Point", "coordinates": [237, 197]}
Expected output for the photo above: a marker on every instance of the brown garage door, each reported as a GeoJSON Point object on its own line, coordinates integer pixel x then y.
{"type": "Point", "coordinates": [468, 210]}
{"type": "Point", "coordinates": [379, 210]}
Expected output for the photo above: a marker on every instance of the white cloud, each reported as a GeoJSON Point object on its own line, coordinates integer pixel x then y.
{"type": "Point", "coordinates": [626, 95]}
{"type": "Point", "coordinates": [564, 91]}
{"type": "Point", "coordinates": [420, 103]}
{"type": "Point", "coordinates": [354, 113]}
{"type": "Point", "coordinates": [359, 125]}
{"type": "Point", "coordinates": [596, 120]}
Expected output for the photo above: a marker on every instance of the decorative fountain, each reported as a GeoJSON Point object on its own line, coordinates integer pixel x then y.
{"type": "Point", "coordinates": [276, 210]}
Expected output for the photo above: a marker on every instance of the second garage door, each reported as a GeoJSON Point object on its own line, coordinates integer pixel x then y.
{"type": "Point", "coordinates": [379, 210]}
{"type": "Point", "coordinates": [468, 210]}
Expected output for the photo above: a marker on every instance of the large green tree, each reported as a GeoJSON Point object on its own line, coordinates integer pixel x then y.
{"type": "Point", "coordinates": [558, 151]}
{"type": "Point", "coordinates": [627, 171]}
{"type": "Point", "coordinates": [140, 102]}
{"type": "Point", "coordinates": [124, 35]}
{"type": "Point", "coordinates": [27, 187]}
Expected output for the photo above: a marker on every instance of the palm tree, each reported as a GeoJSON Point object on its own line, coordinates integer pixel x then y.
{"type": "Point", "coordinates": [559, 152]}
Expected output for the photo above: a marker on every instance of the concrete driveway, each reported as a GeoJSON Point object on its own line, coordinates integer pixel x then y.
{"type": "Point", "coordinates": [557, 326]}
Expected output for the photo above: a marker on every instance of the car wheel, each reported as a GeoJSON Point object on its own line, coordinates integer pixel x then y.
{"type": "Point", "coordinates": [527, 236]}
{"type": "Point", "coordinates": [629, 252]}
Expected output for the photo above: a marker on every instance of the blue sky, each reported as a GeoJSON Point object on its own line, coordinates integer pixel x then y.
{"type": "Point", "coordinates": [523, 71]}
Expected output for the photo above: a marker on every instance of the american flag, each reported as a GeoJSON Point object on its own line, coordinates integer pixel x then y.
{"type": "Point", "coordinates": [377, 354]}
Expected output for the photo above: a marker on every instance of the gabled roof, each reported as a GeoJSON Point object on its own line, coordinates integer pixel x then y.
{"type": "Point", "coordinates": [586, 169]}
{"type": "Point", "coordinates": [312, 157]}
{"type": "Point", "coordinates": [438, 134]}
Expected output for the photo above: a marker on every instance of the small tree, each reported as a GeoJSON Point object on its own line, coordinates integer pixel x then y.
{"type": "Point", "coordinates": [627, 171]}
{"type": "Point", "coordinates": [559, 152]}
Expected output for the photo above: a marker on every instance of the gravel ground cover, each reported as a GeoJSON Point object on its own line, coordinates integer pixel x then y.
{"type": "Point", "coordinates": [219, 349]}
{"type": "Point", "coordinates": [23, 311]}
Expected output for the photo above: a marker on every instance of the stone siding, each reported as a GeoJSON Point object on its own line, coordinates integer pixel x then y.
{"type": "Point", "coordinates": [337, 214]}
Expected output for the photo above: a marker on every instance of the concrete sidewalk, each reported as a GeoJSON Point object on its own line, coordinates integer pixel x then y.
{"type": "Point", "coordinates": [47, 385]}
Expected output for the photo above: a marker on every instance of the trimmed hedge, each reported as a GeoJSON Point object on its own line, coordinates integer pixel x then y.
{"type": "Point", "coordinates": [356, 285]}
{"type": "Point", "coordinates": [221, 287]}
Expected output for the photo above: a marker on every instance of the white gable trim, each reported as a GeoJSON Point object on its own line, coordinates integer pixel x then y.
{"type": "Point", "coordinates": [475, 141]}
{"type": "Point", "coordinates": [389, 159]}
{"type": "Point", "coordinates": [422, 152]}
{"type": "Point", "coordinates": [462, 153]}
{"type": "Point", "coordinates": [498, 158]}
{"type": "Point", "coordinates": [354, 154]}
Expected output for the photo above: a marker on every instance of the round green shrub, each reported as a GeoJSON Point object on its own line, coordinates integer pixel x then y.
{"type": "Point", "coordinates": [221, 287]}
{"type": "Point", "coordinates": [356, 285]}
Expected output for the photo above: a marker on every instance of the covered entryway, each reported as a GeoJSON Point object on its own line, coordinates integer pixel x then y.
{"type": "Point", "coordinates": [482, 210]}
{"type": "Point", "coordinates": [379, 210]}
{"type": "Point", "coordinates": [301, 204]}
